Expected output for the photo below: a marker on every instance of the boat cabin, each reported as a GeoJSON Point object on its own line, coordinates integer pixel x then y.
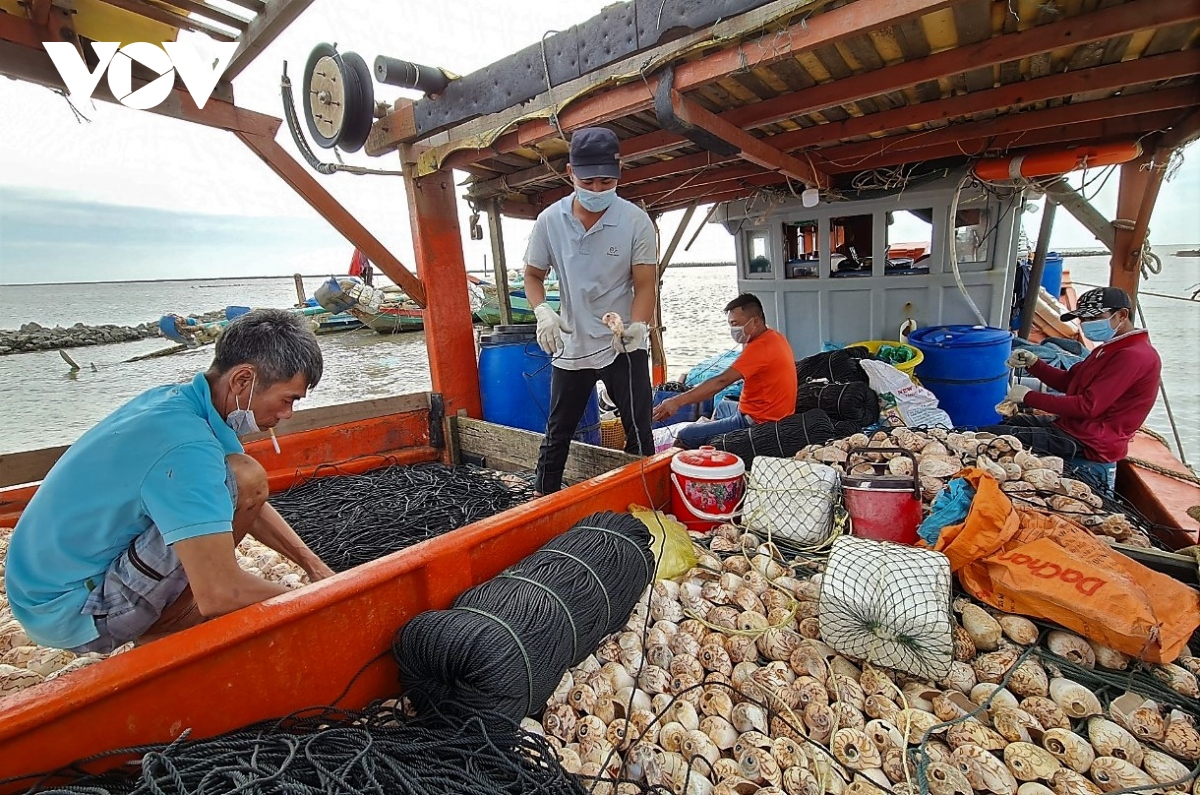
{"type": "Point", "coordinates": [841, 271]}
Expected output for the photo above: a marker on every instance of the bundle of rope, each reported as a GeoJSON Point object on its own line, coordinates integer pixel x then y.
{"type": "Point", "coordinates": [782, 439]}
{"type": "Point", "coordinates": [377, 750]}
{"type": "Point", "coordinates": [351, 519]}
{"type": "Point", "coordinates": [506, 643]}
{"type": "Point", "coordinates": [852, 401]}
{"type": "Point", "coordinates": [838, 366]}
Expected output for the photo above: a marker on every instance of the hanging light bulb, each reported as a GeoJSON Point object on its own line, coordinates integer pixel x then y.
{"type": "Point", "coordinates": [810, 197]}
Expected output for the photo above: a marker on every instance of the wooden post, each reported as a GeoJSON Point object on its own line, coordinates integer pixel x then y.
{"type": "Point", "coordinates": [1156, 170]}
{"type": "Point", "coordinates": [499, 261]}
{"type": "Point", "coordinates": [658, 352]}
{"type": "Point", "coordinates": [1134, 194]}
{"type": "Point", "coordinates": [301, 296]}
{"type": "Point", "coordinates": [1029, 307]}
{"type": "Point", "coordinates": [437, 244]}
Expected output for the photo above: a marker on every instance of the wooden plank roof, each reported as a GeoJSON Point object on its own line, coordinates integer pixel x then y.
{"type": "Point", "coordinates": [253, 24]}
{"type": "Point", "coordinates": [796, 92]}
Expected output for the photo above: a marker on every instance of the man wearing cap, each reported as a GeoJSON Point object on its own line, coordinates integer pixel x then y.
{"type": "Point", "coordinates": [1105, 398]}
{"type": "Point", "coordinates": [605, 252]}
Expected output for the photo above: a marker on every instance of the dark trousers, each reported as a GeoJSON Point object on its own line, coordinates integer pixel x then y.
{"type": "Point", "coordinates": [627, 380]}
{"type": "Point", "coordinates": [1039, 433]}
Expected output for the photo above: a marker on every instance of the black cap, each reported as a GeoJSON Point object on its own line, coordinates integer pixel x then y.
{"type": "Point", "coordinates": [1095, 303]}
{"type": "Point", "coordinates": [595, 152]}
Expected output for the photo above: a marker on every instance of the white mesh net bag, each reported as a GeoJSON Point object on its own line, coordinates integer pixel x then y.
{"type": "Point", "coordinates": [790, 500]}
{"type": "Point", "coordinates": [889, 604]}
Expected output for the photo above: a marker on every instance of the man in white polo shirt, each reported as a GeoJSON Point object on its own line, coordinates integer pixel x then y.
{"type": "Point", "coordinates": [605, 252]}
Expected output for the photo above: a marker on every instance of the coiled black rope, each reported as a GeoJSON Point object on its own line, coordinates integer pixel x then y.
{"type": "Point", "coordinates": [781, 439]}
{"type": "Point", "coordinates": [838, 366]}
{"type": "Point", "coordinates": [505, 643]}
{"type": "Point", "coordinates": [852, 401]}
{"type": "Point", "coordinates": [377, 750]}
{"type": "Point", "coordinates": [348, 520]}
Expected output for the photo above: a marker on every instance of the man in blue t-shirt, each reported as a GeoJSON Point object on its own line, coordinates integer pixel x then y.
{"type": "Point", "coordinates": [131, 535]}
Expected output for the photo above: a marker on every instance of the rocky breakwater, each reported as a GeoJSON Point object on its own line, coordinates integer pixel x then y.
{"type": "Point", "coordinates": [36, 337]}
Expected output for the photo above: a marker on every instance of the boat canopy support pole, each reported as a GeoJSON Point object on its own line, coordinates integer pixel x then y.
{"type": "Point", "coordinates": [332, 211]}
{"type": "Point", "coordinates": [437, 243]}
{"type": "Point", "coordinates": [1136, 195]}
{"type": "Point", "coordinates": [1029, 306]}
{"type": "Point", "coordinates": [658, 352]}
{"type": "Point", "coordinates": [499, 261]}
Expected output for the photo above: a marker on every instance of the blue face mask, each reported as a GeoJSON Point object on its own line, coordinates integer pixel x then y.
{"type": "Point", "coordinates": [595, 201]}
{"type": "Point", "coordinates": [1098, 330]}
{"type": "Point", "coordinates": [241, 420]}
{"type": "Point", "coordinates": [738, 333]}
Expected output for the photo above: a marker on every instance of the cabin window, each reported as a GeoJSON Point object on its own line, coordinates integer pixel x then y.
{"type": "Point", "coordinates": [758, 255]}
{"type": "Point", "coordinates": [909, 239]}
{"type": "Point", "coordinates": [801, 257]}
{"type": "Point", "coordinates": [851, 245]}
{"type": "Point", "coordinates": [971, 233]}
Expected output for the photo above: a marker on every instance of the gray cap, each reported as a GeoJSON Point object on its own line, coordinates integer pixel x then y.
{"type": "Point", "coordinates": [595, 152]}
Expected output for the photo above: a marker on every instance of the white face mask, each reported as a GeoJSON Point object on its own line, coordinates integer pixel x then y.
{"type": "Point", "coordinates": [738, 333]}
{"type": "Point", "coordinates": [595, 201]}
{"type": "Point", "coordinates": [241, 420]}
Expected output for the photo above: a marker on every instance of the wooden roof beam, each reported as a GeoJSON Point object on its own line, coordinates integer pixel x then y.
{"type": "Point", "coordinates": [1096, 110]}
{"type": "Point", "coordinates": [23, 57]}
{"type": "Point", "coordinates": [1124, 127]}
{"type": "Point", "coordinates": [1104, 24]}
{"type": "Point", "coordinates": [1101, 78]}
{"type": "Point", "coordinates": [637, 96]}
{"type": "Point", "coordinates": [1183, 133]}
{"type": "Point", "coordinates": [167, 17]}
{"type": "Point", "coordinates": [748, 147]}
{"type": "Point", "coordinates": [263, 30]}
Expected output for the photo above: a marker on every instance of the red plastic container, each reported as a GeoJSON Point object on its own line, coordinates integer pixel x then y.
{"type": "Point", "coordinates": [706, 487]}
{"type": "Point", "coordinates": [882, 506]}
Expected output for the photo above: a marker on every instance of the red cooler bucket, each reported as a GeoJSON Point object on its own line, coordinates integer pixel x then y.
{"type": "Point", "coordinates": [707, 487]}
{"type": "Point", "coordinates": [882, 506]}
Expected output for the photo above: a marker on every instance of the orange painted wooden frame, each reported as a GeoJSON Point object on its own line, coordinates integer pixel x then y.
{"type": "Point", "coordinates": [306, 648]}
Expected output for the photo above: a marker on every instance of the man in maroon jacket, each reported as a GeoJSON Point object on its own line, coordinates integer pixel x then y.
{"type": "Point", "coordinates": [1106, 397]}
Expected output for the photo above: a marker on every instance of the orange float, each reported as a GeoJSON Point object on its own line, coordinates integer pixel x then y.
{"type": "Point", "coordinates": [1045, 162]}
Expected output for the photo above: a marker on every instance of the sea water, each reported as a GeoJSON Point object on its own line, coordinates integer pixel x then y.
{"type": "Point", "coordinates": [43, 403]}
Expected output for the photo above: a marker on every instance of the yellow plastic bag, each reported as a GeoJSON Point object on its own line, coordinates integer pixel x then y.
{"type": "Point", "coordinates": [671, 545]}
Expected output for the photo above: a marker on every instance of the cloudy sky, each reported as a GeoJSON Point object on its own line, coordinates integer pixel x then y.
{"type": "Point", "coordinates": [55, 171]}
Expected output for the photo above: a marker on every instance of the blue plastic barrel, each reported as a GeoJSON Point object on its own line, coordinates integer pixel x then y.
{"type": "Point", "coordinates": [1052, 275]}
{"type": "Point", "coordinates": [514, 383]}
{"type": "Point", "coordinates": [964, 367]}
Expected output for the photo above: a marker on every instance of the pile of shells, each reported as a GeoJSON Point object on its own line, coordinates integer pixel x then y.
{"type": "Point", "coordinates": [720, 684]}
{"type": "Point", "coordinates": [1029, 480]}
{"type": "Point", "coordinates": [24, 664]}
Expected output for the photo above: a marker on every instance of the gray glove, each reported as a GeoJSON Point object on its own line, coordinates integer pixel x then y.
{"type": "Point", "coordinates": [632, 339]}
{"type": "Point", "coordinates": [1022, 359]}
{"type": "Point", "coordinates": [550, 328]}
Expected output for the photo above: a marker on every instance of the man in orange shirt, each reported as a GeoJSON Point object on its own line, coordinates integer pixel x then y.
{"type": "Point", "coordinates": [767, 366]}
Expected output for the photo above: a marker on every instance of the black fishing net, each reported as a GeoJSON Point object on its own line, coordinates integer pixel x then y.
{"type": "Point", "coordinates": [377, 750]}
{"type": "Point", "coordinates": [837, 366]}
{"type": "Point", "coordinates": [783, 439]}
{"type": "Point", "coordinates": [506, 643]}
{"type": "Point", "coordinates": [852, 401]}
{"type": "Point", "coordinates": [348, 520]}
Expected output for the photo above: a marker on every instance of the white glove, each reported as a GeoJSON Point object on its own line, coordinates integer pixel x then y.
{"type": "Point", "coordinates": [1022, 358]}
{"type": "Point", "coordinates": [550, 328]}
{"type": "Point", "coordinates": [632, 339]}
{"type": "Point", "coordinates": [1017, 393]}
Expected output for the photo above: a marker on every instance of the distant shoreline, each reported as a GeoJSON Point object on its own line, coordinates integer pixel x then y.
{"type": "Point", "coordinates": [305, 276]}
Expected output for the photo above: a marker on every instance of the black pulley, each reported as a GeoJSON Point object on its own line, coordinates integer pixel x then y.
{"type": "Point", "coordinates": [340, 98]}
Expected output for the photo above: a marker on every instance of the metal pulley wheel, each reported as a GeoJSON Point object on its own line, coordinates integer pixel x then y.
{"type": "Point", "coordinates": [341, 98]}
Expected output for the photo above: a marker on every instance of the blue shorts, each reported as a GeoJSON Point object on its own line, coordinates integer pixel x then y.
{"type": "Point", "coordinates": [138, 586]}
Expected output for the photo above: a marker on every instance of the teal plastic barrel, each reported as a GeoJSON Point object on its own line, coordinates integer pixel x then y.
{"type": "Point", "coordinates": [964, 366]}
{"type": "Point", "coordinates": [1052, 275]}
{"type": "Point", "coordinates": [514, 383]}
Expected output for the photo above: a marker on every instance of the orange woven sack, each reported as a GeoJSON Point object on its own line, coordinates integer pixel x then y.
{"type": "Point", "coordinates": [1042, 565]}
